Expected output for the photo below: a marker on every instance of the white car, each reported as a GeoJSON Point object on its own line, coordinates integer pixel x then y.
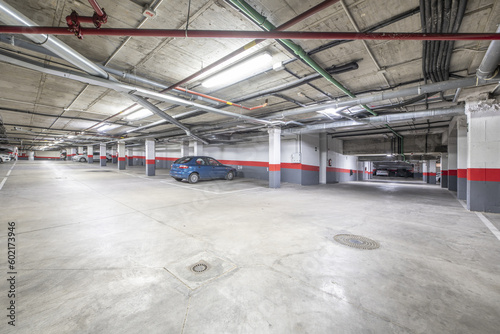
{"type": "Point", "coordinates": [4, 157]}
{"type": "Point", "coordinates": [84, 158]}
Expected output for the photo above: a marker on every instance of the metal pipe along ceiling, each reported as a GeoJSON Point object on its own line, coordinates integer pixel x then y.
{"type": "Point", "coordinates": [253, 34]}
{"type": "Point", "coordinates": [489, 66]}
{"type": "Point", "coordinates": [9, 15]}
{"type": "Point", "coordinates": [125, 88]}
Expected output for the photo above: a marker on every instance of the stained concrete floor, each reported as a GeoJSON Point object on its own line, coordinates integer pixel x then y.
{"type": "Point", "coordinates": [102, 251]}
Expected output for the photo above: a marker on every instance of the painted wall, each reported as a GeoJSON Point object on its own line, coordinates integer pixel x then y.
{"type": "Point", "coordinates": [343, 168]}
{"type": "Point", "coordinates": [47, 155]}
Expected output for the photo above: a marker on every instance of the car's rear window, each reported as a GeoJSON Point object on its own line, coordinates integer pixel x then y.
{"type": "Point", "coordinates": [182, 160]}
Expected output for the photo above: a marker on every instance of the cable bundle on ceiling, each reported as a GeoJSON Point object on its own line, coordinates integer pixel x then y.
{"type": "Point", "coordinates": [439, 16]}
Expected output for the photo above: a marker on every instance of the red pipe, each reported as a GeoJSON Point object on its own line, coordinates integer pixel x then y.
{"type": "Point", "coordinates": [97, 8]}
{"type": "Point", "coordinates": [306, 35]}
{"type": "Point", "coordinates": [284, 26]}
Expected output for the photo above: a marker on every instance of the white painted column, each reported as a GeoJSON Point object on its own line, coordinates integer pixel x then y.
{"type": "Point", "coordinates": [71, 153]}
{"type": "Point", "coordinates": [90, 154]}
{"type": "Point", "coordinates": [80, 149]}
{"type": "Point", "coordinates": [130, 156]}
{"type": "Point", "coordinates": [431, 171]}
{"type": "Point", "coordinates": [274, 158]}
{"type": "Point", "coordinates": [483, 162]}
{"type": "Point", "coordinates": [197, 148]}
{"type": "Point", "coordinates": [114, 154]}
{"type": "Point", "coordinates": [323, 157]}
{"type": "Point", "coordinates": [102, 153]}
{"type": "Point", "coordinates": [184, 149]}
{"type": "Point", "coordinates": [425, 173]}
{"type": "Point", "coordinates": [462, 158]}
{"type": "Point", "coordinates": [444, 170]}
{"type": "Point", "coordinates": [452, 162]}
{"type": "Point", "coordinates": [121, 156]}
{"type": "Point", "coordinates": [150, 157]}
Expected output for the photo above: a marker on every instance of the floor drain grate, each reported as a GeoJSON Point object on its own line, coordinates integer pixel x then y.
{"type": "Point", "coordinates": [356, 241]}
{"type": "Point", "coordinates": [200, 267]}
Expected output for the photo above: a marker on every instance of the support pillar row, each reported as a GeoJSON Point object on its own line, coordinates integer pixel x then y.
{"type": "Point", "coordinates": [274, 158]}
{"type": "Point", "coordinates": [121, 156]}
{"type": "Point", "coordinates": [483, 158]}
{"type": "Point", "coordinates": [462, 158]}
{"type": "Point", "coordinates": [150, 157]}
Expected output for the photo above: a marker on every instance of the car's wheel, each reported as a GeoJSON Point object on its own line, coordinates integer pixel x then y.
{"type": "Point", "coordinates": [82, 159]}
{"type": "Point", "coordinates": [1, 161]}
{"type": "Point", "coordinates": [193, 178]}
{"type": "Point", "coordinates": [177, 179]}
{"type": "Point", "coordinates": [230, 176]}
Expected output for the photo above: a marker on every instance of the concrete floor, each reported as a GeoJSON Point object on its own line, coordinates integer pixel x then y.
{"type": "Point", "coordinates": [102, 251]}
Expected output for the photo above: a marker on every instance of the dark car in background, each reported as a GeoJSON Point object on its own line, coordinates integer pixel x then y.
{"type": "Point", "coordinates": [195, 168]}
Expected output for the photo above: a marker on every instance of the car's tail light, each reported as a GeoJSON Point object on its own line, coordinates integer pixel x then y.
{"type": "Point", "coordinates": [183, 167]}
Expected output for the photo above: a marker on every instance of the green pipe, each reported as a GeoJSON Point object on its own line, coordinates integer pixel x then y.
{"type": "Point", "coordinates": [299, 51]}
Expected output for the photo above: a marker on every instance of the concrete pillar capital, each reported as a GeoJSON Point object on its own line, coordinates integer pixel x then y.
{"type": "Point", "coordinates": [489, 107]}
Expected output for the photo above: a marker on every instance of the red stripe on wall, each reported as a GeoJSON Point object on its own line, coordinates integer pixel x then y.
{"type": "Point", "coordinates": [166, 159]}
{"type": "Point", "coordinates": [444, 172]}
{"type": "Point", "coordinates": [483, 174]}
{"type": "Point", "coordinates": [274, 167]}
{"type": "Point", "coordinates": [429, 174]}
{"type": "Point", "coordinates": [452, 172]}
{"type": "Point", "coordinates": [121, 159]}
{"type": "Point", "coordinates": [338, 170]}
{"type": "Point", "coordinates": [150, 162]}
{"type": "Point", "coordinates": [245, 163]}
{"type": "Point", "coordinates": [139, 157]}
{"type": "Point", "coordinates": [462, 173]}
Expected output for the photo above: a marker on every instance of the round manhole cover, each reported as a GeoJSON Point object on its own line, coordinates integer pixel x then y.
{"type": "Point", "coordinates": [356, 241]}
{"type": "Point", "coordinates": [199, 267]}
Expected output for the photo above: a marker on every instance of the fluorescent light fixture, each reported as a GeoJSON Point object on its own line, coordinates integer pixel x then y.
{"type": "Point", "coordinates": [240, 71]}
{"type": "Point", "coordinates": [143, 113]}
{"type": "Point", "coordinates": [106, 127]}
{"type": "Point", "coordinates": [332, 111]}
{"type": "Point", "coordinates": [70, 137]}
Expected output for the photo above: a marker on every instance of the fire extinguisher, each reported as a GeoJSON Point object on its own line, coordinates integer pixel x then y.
{"type": "Point", "coordinates": [330, 162]}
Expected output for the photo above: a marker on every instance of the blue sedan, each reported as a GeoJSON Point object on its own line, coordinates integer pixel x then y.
{"type": "Point", "coordinates": [195, 168]}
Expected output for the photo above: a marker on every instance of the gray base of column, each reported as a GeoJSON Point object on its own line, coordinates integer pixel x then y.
{"type": "Point", "coordinates": [91, 160]}
{"type": "Point", "coordinates": [121, 165]}
{"type": "Point", "coordinates": [452, 182]}
{"type": "Point", "coordinates": [425, 178]}
{"type": "Point", "coordinates": [483, 196]}
{"type": "Point", "coordinates": [274, 179]}
{"type": "Point", "coordinates": [461, 188]}
{"type": "Point", "coordinates": [431, 179]}
{"type": "Point", "coordinates": [444, 181]}
{"type": "Point", "coordinates": [114, 160]}
{"type": "Point", "coordinates": [103, 162]}
{"type": "Point", "coordinates": [150, 170]}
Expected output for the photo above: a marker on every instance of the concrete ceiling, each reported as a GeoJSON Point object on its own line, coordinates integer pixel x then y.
{"type": "Point", "coordinates": [40, 108]}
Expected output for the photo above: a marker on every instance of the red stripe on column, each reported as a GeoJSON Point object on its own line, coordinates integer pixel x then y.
{"type": "Point", "coordinates": [452, 172]}
{"type": "Point", "coordinates": [274, 167]}
{"type": "Point", "coordinates": [462, 173]}
{"type": "Point", "coordinates": [483, 174]}
{"type": "Point", "coordinates": [103, 157]}
{"type": "Point", "coordinates": [90, 156]}
{"type": "Point", "coordinates": [121, 159]}
{"type": "Point", "coordinates": [150, 161]}
{"type": "Point", "coordinates": [444, 172]}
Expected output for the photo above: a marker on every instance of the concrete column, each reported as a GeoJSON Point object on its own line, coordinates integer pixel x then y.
{"type": "Point", "coordinates": [323, 157]}
{"type": "Point", "coordinates": [424, 170]}
{"type": "Point", "coordinates": [150, 157]}
{"type": "Point", "coordinates": [130, 156]}
{"type": "Point", "coordinates": [462, 158]}
{"type": "Point", "coordinates": [431, 171]}
{"type": "Point", "coordinates": [114, 154]}
{"type": "Point", "coordinates": [90, 154]}
{"type": "Point", "coordinates": [452, 162]}
{"type": "Point", "coordinates": [16, 153]}
{"type": "Point", "coordinates": [102, 152]}
{"type": "Point", "coordinates": [197, 148]}
{"type": "Point", "coordinates": [274, 158]}
{"type": "Point", "coordinates": [80, 149]}
{"type": "Point", "coordinates": [184, 149]}
{"type": "Point", "coordinates": [483, 162]}
{"type": "Point", "coordinates": [444, 170]}
{"type": "Point", "coordinates": [71, 153]}
{"type": "Point", "coordinates": [121, 156]}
